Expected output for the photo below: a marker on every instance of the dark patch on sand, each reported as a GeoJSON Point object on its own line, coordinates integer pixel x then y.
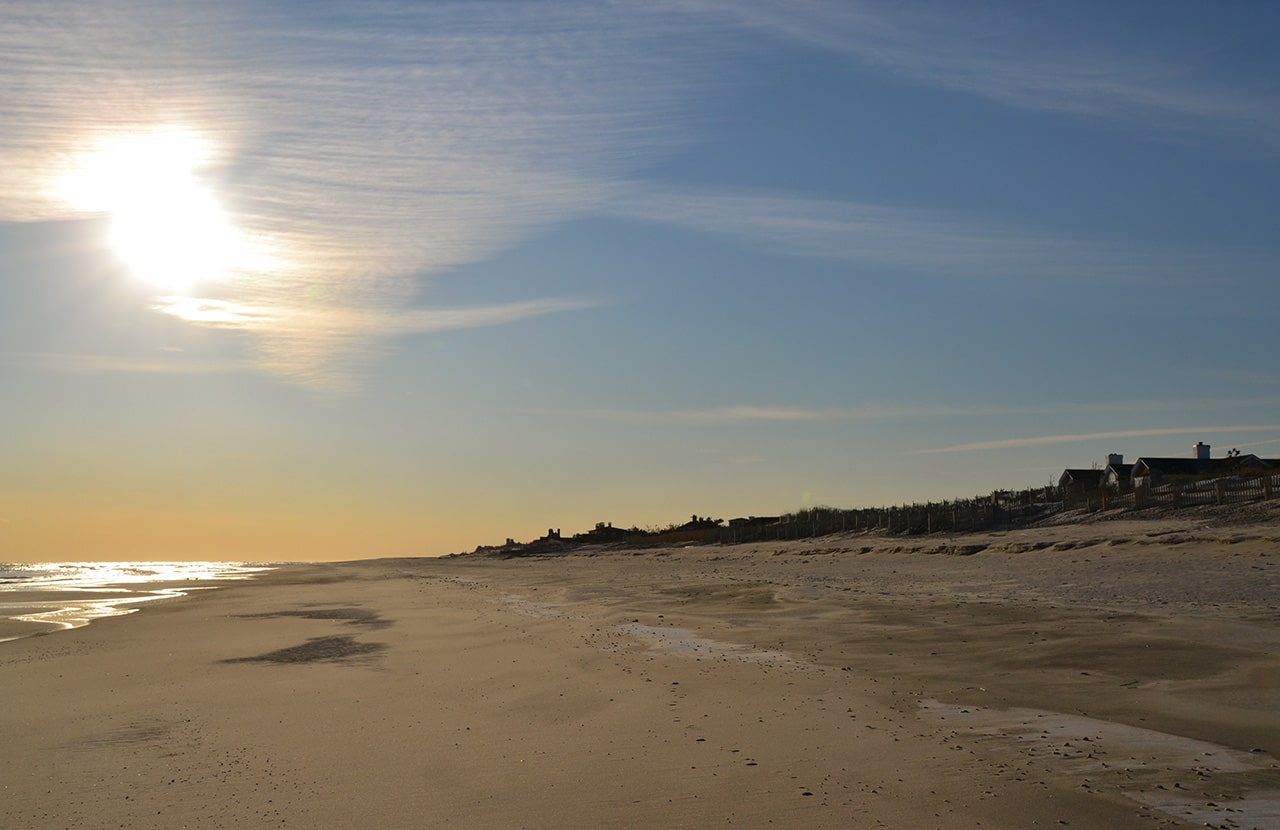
{"type": "Point", "coordinates": [753, 595]}
{"type": "Point", "coordinates": [351, 616]}
{"type": "Point", "coordinates": [949, 550]}
{"type": "Point", "coordinates": [134, 733]}
{"type": "Point", "coordinates": [315, 650]}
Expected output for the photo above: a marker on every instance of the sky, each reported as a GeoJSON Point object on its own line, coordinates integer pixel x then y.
{"type": "Point", "coordinates": [320, 280]}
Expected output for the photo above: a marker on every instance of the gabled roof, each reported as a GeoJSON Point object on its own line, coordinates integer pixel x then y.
{"type": "Point", "coordinates": [1122, 471]}
{"type": "Point", "coordinates": [1187, 466]}
{"type": "Point", "coordinates": [1084, 477]}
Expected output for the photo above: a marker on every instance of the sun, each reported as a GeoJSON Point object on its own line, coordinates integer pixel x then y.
{"type": "Point", "coordinates": [166, 223]}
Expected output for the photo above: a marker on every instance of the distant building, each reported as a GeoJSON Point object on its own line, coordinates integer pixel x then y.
{"type": "Point", "coordinates": [1154, 472]}
{"type": "Point", "coordinates": [1117, 475]}
{"type": "Point", "coordinates": [701, 523]}
{"type": "Point", "coordinates": [1077, 482]}
{"type": "Point", "coordinates": [605, 532]}
{"type": "Point", "coordinates": [754, 521]}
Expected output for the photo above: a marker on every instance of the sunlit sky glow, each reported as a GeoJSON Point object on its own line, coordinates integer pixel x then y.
{"type": "Point", "coordinates": [329, 280]}
{"type": "Point", "coordinates": [166, 225]}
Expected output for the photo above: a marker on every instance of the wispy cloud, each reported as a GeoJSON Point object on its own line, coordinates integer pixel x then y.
{"type": "Point", "coordinates": [1125, 73]}
{"type": "Point", "coordinates": [916, 240]}
{"type": "Point", "coordinates": [1269, 442]}
{"type": "Point", "coordinates": [776, 414]}
{"type": "Point", "coordinates": [783, 414]}
{"type": "Point", "coordinates": [364, 147]}
{"type": "Point", "coordinates": [1045, 440]}
{"type": "Point", "coordinates": [234, 316]}
{"type": "Point", "coordinates": [326, 345]}
{"type": "Point", "coordinates": [370, 147]}
{"type": "Point", "coordinates": [104, 364]}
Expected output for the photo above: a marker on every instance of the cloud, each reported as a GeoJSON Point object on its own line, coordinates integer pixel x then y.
{"type": "Point", "coordinates": [1259, 443]}
{"type": "Point", "coordinates": [775, 414]}
{"type": "Point", "coordinates": [781, 414]}
{"type": "Point", "coordinates": [101, 363]}
{"type": "Point", "coordinates": [326, 346]}
{"type": "Point", "coordinates": [1127, 74]}
{"type": "Point", "coordinates": [916, 240]}
{"type": "Point", "coordinates": [360, 148]}
{"type": "Point", "coordinates": [417, 321]}
{"type": "Point", "coordinates": [1044, 440]}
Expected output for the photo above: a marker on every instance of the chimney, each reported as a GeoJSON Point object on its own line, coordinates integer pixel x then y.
{"type": "Point", "coordinates": [1201, 451]}
{"type": "Point", "coordinates": [1114, 458]}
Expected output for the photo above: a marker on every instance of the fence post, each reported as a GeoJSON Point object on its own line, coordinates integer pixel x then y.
{"type": "Point", "coordinates": [1219, 490]}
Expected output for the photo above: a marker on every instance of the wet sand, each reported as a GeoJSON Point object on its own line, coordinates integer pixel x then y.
{"type": "Point", "coordinates": [1124, 674]}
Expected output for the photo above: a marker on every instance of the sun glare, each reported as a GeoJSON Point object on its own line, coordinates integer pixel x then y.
{"type": "Point", "coordinates": [167, 225]}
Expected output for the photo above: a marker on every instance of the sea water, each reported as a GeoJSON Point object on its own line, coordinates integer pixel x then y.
{"type": "Point", "coordinates": [49, 596]}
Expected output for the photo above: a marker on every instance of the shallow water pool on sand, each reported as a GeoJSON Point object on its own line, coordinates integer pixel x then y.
{"type": "Point", "coordinates": [1195, 781]}
{"type": "Point", "coordinates": [683, 640]}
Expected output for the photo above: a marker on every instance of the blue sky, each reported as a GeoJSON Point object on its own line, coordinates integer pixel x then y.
{"type": "Point", "coordinates": [322, 280]}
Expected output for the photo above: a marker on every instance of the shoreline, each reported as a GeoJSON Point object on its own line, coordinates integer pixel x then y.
{"type": "Point", "coordinates": [1124, 678]}
{"type": "Point", "coordinates": [70, 595]}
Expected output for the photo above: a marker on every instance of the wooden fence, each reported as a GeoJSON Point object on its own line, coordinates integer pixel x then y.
{"type": "Point", "coordinates": [1219, 491]}
{"type": "Point", "coordinates": [1229, 490]}
{"type": "Point", "coordinates": [1002, 509]}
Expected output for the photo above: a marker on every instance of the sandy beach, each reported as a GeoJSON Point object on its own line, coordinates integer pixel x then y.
{"type": "Point", "coordinates": [1120, 674]}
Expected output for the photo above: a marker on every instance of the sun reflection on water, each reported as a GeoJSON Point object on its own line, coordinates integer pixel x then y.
{"type": "Point", "coordinates": [55, 593]}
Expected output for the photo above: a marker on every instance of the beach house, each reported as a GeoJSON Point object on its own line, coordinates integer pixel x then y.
{"type": "Point", "coordinates": [1154, 472]}
{"type": "Point", "coordinates": [1076, 482]}
{"type": "Point", "coordinates": [1117, 475]}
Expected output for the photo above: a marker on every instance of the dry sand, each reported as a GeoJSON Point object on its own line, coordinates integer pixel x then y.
{"type": "Point", "coordinates": [1118, 675]}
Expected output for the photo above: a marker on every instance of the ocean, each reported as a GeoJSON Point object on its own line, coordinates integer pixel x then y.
{"type": "Point", "coordinates": [49, 596]}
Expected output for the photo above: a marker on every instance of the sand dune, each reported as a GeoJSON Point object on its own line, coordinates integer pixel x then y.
{"type": "Point", "coordinates": [1124, 674]}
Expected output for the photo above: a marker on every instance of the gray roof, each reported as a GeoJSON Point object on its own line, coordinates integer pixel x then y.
{"type": "Point", "coordinates": [1080, 476]}
{"type": "Point", "coordinates": [1193, 466]}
